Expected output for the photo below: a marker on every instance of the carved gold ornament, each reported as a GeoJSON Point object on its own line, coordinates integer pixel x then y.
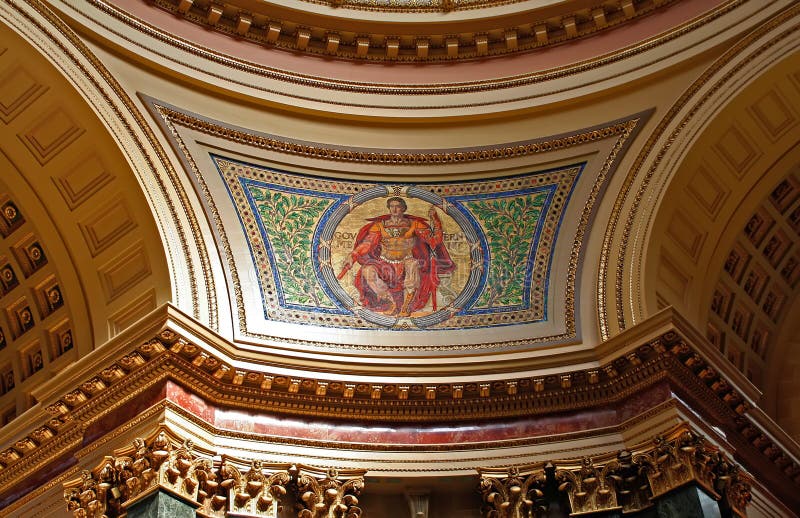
{"type": "Point", "coordinates": [216, 486]}
{"type": "Point", "coordinates": [627, 481]}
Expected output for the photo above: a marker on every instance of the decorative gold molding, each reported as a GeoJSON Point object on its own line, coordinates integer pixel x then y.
{"type": "Point", "coordinates": [272, 26]}
{"type": "Point", "coordinates": [515, 495]}
{"type": "Point", "coordinates": [589, 488]}
{"type": "Point", "coordinates": [676, 462]}
{"type": "Point", "coordinates": [329, 493]}
{"type": "Point", "coordinates": [133, 473]}
{"type": "Point", "coordinates": [405, 89]}
{"type": "Point", "coordinates": [322, 151]}
{"type": "Point", "coordinates": [217, 488]}
{"type": "Point", "coordinates": [501, 397]}
{"type": "Point", "coordinates": [413, 6]}
{"type": "Point", "coordinates": [257, 492]}
{"type": "Point", "coordinates": [666, 358]}
{"type": "Point", "coordinates": [626, 481]}
{"type": "Point", "coordinates": [169, 355]}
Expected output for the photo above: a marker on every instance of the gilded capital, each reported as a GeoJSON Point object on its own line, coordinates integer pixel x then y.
{"type": "Point", "coordinates": [589, 487]}
{"type": "Point", "coordinates": [328, 493]}
{"type": "Point", "coordinates": [517, 494]}
{"type": "Point", "coordinates": [676, 460]}
{"type": "Point", "coordinates": [627, 480]}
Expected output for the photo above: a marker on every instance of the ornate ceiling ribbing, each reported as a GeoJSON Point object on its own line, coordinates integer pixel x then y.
{"type": "Point", "coordinates": [620, 292]}
{"type": "Point", "coordinates": [760, 277]}
{"type": "Point", "coordinates": [36, 331]}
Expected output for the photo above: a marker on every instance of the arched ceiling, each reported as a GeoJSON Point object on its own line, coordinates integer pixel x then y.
{"type": "Point", "coordinates": [594, 138]}
{"type": "Point", "coordinates": [80, 251]}
{"type": "Point", "coordinates": [729, 250]}
{"type": "Point", "coordinates": [727, 253]}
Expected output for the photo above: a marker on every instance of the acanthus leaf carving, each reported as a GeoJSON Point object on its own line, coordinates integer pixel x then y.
{"type": "Point", "coordinates": [87, 497]}
{"type": "Point", "coordinates": [627, 481]}
{"type": "Point", "coordinates": [133, 472]}
{"type": "Point", "coordinates": [673, 462]}
{"type": "Point", "coordinates": [328, 494]}
{"type": "Point", "coordinates": [256, 493]}
{"type": "Point", "coordinates": [633, 488]}
{"type": "Point", "coordinates": [589, 488]}
{"type": "Point", "coordinates": [218, 486]}
{"type": "Point", "coordinates": [517, 495]}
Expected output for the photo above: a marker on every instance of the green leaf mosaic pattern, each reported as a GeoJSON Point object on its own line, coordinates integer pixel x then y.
{"type": "Point", "coordinates": [510, 225]}
{"type": "Point", "coordinates": [289, 220]}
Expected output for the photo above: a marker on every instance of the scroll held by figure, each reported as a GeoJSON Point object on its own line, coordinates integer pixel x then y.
{"type": "Point", "coordinates": [400, 258]}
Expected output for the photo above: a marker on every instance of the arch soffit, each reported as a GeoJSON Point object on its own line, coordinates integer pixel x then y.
{"type": "Point", "coordinates": [629, 274]}
{"type": "Point", "coordinates": [71, 179]}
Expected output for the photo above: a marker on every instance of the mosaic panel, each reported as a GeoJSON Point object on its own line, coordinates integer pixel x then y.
{"type": "Point", "coordinates": [406, 256]}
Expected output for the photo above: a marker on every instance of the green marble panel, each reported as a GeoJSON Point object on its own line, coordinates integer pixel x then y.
{"type": "Point", "coordinates": [161, 505]}
{"type": "Point", "coordinates": [687, 502]}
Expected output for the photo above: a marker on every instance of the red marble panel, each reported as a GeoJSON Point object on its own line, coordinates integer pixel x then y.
{"type": "Point", "coordinates": [190, 402]}
{"type": "Point", "coordinates": [238, 420]}
{"type": "Point", "coordinates": [125, 413]}
{"type": "Point", "coordinates": [643, 401]}
{"type": "Point", "coordinates": [423, 434]}
{"type": "Point", "coordinates": [37, 479]}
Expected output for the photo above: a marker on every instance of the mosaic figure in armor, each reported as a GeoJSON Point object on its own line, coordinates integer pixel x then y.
{"type": "Point", "coordinates": [401, 257]}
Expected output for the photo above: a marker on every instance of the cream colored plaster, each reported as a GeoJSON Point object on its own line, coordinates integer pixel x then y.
{"type": "Point", "coordinates": [666, 150]}
{"type": "Point", "coordinates": [65, 194]}
{"type": "Point", "coordinates": [768, 160]}
{"type": "Point", "coordinates": [745, 190]}
{"type": "Point", "coordinates": [588, 77]}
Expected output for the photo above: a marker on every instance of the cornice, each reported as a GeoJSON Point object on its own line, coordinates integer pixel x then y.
{"type": "Point", "coordinates": [245, 73]}
{"type": "Point", "coordinates": [346, 30]}
{"type": "Point", "coordinates": [113, 376]}
{"type": "Point", "coordinates": [169, 330]}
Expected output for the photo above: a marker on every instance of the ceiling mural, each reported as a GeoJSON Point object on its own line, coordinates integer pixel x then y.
{"type": "Point", "coordinates": [402, 256]}
{"type": "Point", "coordinates": [401, 250]}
